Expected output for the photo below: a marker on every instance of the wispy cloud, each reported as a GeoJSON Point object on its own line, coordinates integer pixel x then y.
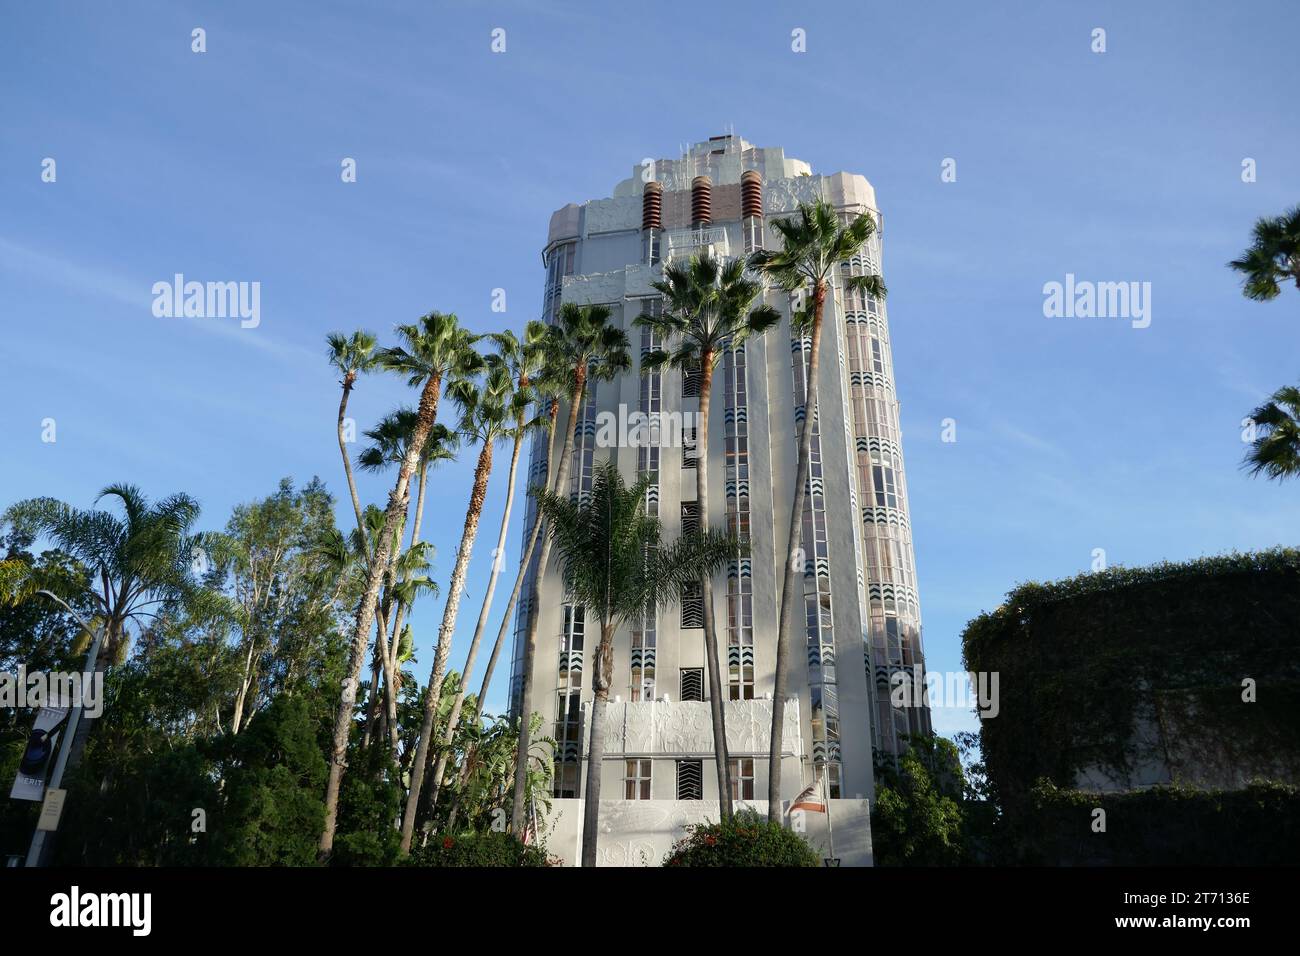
{"type": "Point", "coordinates": [106, 284]}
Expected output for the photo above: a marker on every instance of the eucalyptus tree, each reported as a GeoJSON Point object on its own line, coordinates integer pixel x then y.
{"type": "Point", "coordinates": [434, 350]}
{"type": "Point", "coordinates": [485, 418]}
{"type": "Point", "coordinates": [144, 561]}
{"type": "Point", "coordinates": [352, 356]}
{"type": "Point", "coordinates": [616, 565]}
{"type": "Point", "coordinates": [708, 308]}
{"type": "Point", "coordinates": [268, 559]}
{"type": "Point", "coordinates": [1273, 256]}
{"type": "Point", "coordinates": [523, 361]}
{"type": "Point", "coordinates": [585, 347]}
{"type": "Point", "coordinates": [814, 243]}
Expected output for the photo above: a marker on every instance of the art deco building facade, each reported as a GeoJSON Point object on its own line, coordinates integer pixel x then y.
{"type": "Point", "coordinates": [862, 618]}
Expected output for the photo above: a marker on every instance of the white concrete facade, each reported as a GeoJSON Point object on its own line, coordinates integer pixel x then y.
{"type": "Point", "coordinates": [863, 614]}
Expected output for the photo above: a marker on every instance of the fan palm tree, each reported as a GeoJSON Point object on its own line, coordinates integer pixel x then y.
{"type": "Point", "coordinates": [522, 362]}
{"type": "Point", "coordinates": [485, 417]}
{"type": "Point", "coordinates": [1273, 257]}
{"type": "Point", "coordinates": [1275, 452]}
{"type": "Point", "coordinates": [814, 243]}
{"type": "Point", "coordinates": [435, 349]}
{"type": "Point", "coordinates": [707, 310]}
{"type": "Point", "coordinates": [549, 387]}
{"type": "Point", "coordinates": [143, 567]}
{"type": "Point", "coordinates": [390, 438]}
{"type": "Point", "coordinates": [352, 356]}
{"type": "Point", "coordinates": [616, 566]}
{"type": "Point", "coordinates": [548, 383]}
{"type": "Point", "coordinates": [586, 348]}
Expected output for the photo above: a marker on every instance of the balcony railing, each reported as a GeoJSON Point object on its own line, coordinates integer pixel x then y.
{"type": "Point", "coordinates": [683, 243]}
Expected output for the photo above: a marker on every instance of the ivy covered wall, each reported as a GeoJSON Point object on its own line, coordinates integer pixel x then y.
{"type": "Point", "coordinates": [1129, 679]}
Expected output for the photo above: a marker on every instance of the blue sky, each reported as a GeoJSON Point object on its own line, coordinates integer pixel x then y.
{"type": "Point", "coordinates": [1072, 434]}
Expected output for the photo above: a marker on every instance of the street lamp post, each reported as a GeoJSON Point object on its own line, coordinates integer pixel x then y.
{"type": "Point", "coordinates": [39, 838]}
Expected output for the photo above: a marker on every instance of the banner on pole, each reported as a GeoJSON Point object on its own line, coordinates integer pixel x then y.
{"type": "Point", "coordinates": [35, 765]}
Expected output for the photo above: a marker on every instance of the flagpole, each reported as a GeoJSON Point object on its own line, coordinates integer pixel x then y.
{"type": "Point", "coordinates": [830, 829]}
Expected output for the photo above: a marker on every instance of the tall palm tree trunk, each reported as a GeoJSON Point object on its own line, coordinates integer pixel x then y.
{"type": "Point", "coordinates": [453, 719]}
{"type": "Point", "coordinates": [426, 414]}
{"type": "Point", "coordinates": [390, 651]}
{"type": "Point", "coordinates": [716, 691]}
{"type": "Point", "coordinates": [526, 559]}
{"type": "Point", "coordinates": [396, 640]}
{"type": "Point", "coordinates": [793, 575]}
{"type": "Point", "coordinates": [596, 747]}
{"type": "Point", "coordinates": [518, 804]}
{"type": "Point", "coordinates": [478, 495]}
{"type": "Point", "coordinates": [343, 450]}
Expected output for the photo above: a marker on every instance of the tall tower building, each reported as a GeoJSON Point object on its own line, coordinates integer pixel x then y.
{"type": "Point", "coordinates": [862, 623]}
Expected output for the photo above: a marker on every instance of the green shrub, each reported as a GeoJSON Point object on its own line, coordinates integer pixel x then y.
{"type": "Point", "coordinates": [748, 839]}
{"type": "Point", "coordinates": [478, 849]}
{"type": "Point", "coordinates": [917, 818]}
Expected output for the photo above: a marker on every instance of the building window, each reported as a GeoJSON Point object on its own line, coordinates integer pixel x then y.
{"type": "Point", "coordinates": [690, 780]}
{"type": "Point", "coordinates": [692, 683]}
{"type": "Point", "coordinates": [830, 772]}
{"type": "Point", "coordinates": [691, 382]}
{"type": "Point", "coordinates": [566, 781]}
{"type": "Point", "coordinates": [643, 657]}
{"type": "Point", "coordinates": [742, 778]}
{"type": "Point", "coordinates": [690, 456]}
{"type": "Point", "coordinates": [692, 605]}
{"type": "Point", "coordinates": [690, 517]}
{"type": "Point", "coordinates": [636, 780]}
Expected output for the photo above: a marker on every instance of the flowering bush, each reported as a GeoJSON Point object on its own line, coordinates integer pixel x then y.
{"type": "Point", "coordinates": [748, 839]}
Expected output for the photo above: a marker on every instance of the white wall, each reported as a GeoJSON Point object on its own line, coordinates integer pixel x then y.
{"type": "Point", "coordinates": [642, 832]}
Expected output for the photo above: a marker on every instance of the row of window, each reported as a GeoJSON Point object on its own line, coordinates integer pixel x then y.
{"type": "Point", "coordinates": [637, 776]}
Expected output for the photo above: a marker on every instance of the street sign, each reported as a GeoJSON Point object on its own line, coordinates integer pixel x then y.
{"type": "Point", "coordinates": [51, 810]}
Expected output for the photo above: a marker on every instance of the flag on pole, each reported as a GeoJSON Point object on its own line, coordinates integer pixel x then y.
{"type": "Point", "coordinates": [810, 799]}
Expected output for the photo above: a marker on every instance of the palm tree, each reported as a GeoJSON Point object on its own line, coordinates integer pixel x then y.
{"type": "Point", "coordinates": [391, 437]}
{"type": "Point", "coordinates": [1273, 258]}
{"type": "Point", "coordinates": [1275, 452]}
{"type": "Point", "coordinates": [485, 417]}
{"type": "Point", "coordinates": [587, 349]}
{"type": "Point", "coordinates": [617, 566]}
{"type": "Point", "coordinates": [352, 356]}
{"type": "Point", "coordinates": [522, 362]}
{"type": "Point", "coordinates": [813, 245]}
{"type": "Point", "coordinates": [436, 348]}
{"type": "Point", "coordinates": [548, 383]}
{"type": "Point", "coordinates": [142, 568]}
{"type": "Point", "coordinates": [707, 310]}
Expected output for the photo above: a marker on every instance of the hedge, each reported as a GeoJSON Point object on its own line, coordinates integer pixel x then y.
{"type": "Point", "coordinates": [1158, 826]}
